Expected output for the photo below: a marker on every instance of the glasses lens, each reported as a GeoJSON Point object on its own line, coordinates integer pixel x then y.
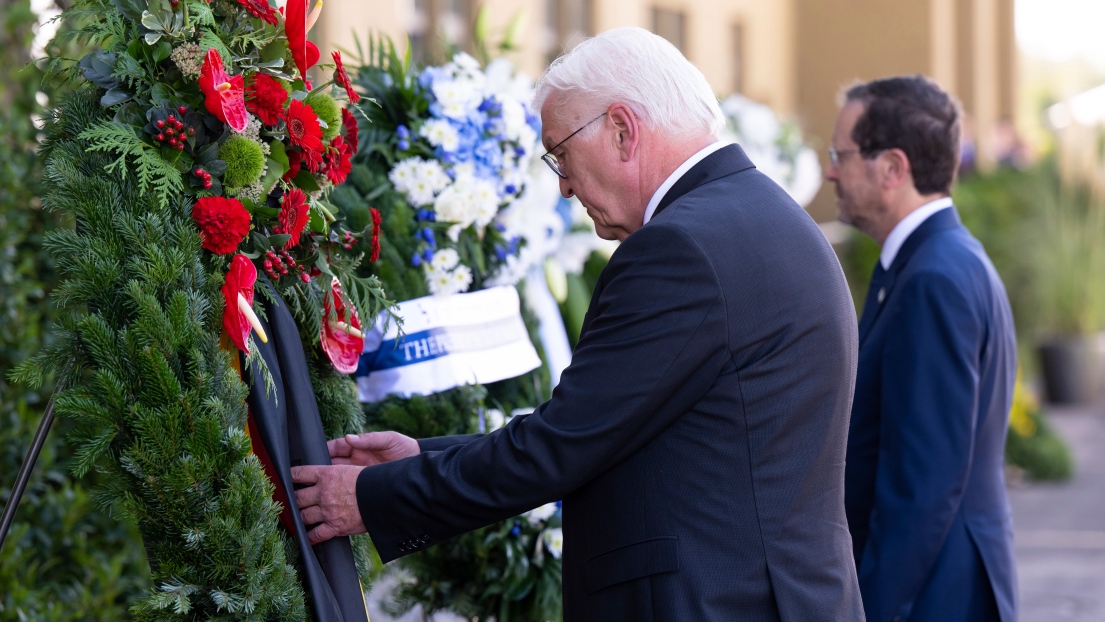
{"type": "Point", "coordinates": [553, 163]}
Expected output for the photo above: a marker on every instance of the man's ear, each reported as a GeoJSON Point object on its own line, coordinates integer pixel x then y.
{"type": "Point", "coordinates": [895, 168]}
{"type": "Point", "coordinates": [627, 130]}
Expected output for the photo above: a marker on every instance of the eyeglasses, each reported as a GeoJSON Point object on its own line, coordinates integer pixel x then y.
{"type": "Point", "coordinates": [551, 160]}
{"type": "Point", "coordinates": [835, 154]}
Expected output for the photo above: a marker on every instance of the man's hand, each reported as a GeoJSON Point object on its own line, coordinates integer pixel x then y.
{"type": "Point", "coordinates": [329, 501]}
{"type": "Point", "coordinates": [371, 448]}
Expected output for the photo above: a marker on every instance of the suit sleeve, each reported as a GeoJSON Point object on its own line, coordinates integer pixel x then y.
{"type": "Point", "coordinates": [653, 348]}
{"type": "Point", "coordinates": [440, 443]}
{"type": "Point", "coordinates": [929, 409]}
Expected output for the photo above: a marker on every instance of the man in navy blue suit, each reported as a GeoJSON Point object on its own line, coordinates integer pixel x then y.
{"type": "Point", "coordinates": [697, 439]}
{"type": "Point", "coordinates": [924, 488]}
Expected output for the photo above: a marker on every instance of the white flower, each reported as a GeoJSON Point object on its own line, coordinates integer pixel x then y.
{"type": "Point", "coordinates": [420, 192]}
{"type": "Point", "coordinates": [541, 514]}
{"type": "Point", "coordinates": [441, 133]}
{"type": "Point", "coordinates": [440, 282]}
{"type": "Point", "coordinates": [445, 259]}
{"type": "Point", "coordinates": [433, 174]}
{"type": "Point", "coordinates": [493, 419]}
{"type": "Point", "coordinates": [462, 278]}
{"type": "Point", "coordinates": [485, 201]}
{"type": "Point", "coordinates": [554, 541]}
{"type": "Point", "coordinates": [454, 205]}
{"type": "Point", "coordinates": [457, 97]}
{"type": "Point", "coordinates": [403, 173]}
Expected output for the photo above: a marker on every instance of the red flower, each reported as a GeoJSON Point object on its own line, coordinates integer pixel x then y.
{"type": "Point", "coordinates": [236, 319]}
{"type": "Point", "coordinates": [261, 10]}
{"type": "Point", "coordinates": [342, 340]}
{"type": "Point", "coordinates": [349, 125]}
{"type": "Point", "coordinates": [265, 98]}
{"type": "Point", "coordinates": [342, 78]}
{"type": "Point", "coordinates": [304, 52]}
{"type": "Point", "coordinates": [295, 160]}
{"type": "Point", "coordinates": [224, 96]}
{"type": "Point", "coordinates": [337, 161]}
{"type": "Point", "coordinates": [223, 223]}
{"type": "Point", "coordinates": [303, 128]}
{"type": "Point", "coordinates": [376, 220]}
{"type": "Point", "coordinates": [294, 213]}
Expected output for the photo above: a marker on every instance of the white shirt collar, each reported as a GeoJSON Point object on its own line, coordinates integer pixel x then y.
{"type": "Point", "coordinates": [674, 177]}
{"type": "Point", "coordinates": [900, 233]}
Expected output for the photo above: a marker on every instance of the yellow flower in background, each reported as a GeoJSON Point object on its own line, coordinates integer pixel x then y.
{"type": "Point", "coordinates": [1025, 405]}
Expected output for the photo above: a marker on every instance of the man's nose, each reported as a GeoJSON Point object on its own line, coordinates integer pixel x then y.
{"type": "Point", "coordinates": [566, 188]}
{"type": "Point", "coordinates": [831, 173]}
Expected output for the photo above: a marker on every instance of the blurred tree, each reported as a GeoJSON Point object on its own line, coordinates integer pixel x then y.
{"type": "Point", "coordinates": [63, 559]}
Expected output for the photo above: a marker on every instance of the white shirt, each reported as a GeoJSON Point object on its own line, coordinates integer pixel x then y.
{"type": "Point", "coordinates": [674, 177]}
{"type": "Point", "coordinates": [900, 233]}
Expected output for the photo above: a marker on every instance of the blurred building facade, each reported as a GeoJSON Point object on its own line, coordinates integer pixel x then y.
{"type": "Point", "coordinates": [794, 55]}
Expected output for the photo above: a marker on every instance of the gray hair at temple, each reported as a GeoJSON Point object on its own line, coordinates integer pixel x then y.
{"type": "Point", "coordinates": [637, 68]}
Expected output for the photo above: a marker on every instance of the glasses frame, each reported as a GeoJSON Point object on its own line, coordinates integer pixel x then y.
{"type": "Point", "coordinates": [834, 154]}
{"type": "Point", "coordinates": [551, 160]}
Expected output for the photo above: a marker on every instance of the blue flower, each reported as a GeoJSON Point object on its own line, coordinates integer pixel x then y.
{"type": "Point", "coordinates": [519, 152]}
{"type": "Point", "coordinates": [428, 235]}
{"type": "Point", "coordinates": [403, 132]}
{"type": "Point", "coordinates": [500, 227]}
{"type": "Point", "coordinates": [500, 252]}
{"type": "Point", "coordinates": [428, 255]}
{"type": "Point", "coordinates": [424, 215]}
{"type": "Point", "coordinates": [491, 106]}
{"type": "Point", "coordinates": [404, 145]}
{"type": "Point", "coordinates": [416, 260]}
{"type": "Point", "coordinates": [516, 529]}
{"type": "Point", "coordinates": [510, 189]}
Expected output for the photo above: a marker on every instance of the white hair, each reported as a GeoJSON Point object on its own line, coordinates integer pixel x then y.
{"type": "Point", "coordinates": [637, 68]}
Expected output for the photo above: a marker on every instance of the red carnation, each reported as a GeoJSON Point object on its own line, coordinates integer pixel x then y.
{"type": "Point", "coordinates": [265, 97]}
{"type": "Point", "coordinates": [342, 78]}
{"type": "Point", "coordinates": [349, 125]}
{"type": "Point", "coordinates": [294, 213]}
{"type": "Point", "coordinates": [376, 220]}
{"type": "Point", "coordinates": [303, 128]}
{"type": "Point", "coordinates": [223, 223]}
{"type": "Point", "coordinates": [261, 10]}
{"type": "Point", "coordinates": [341, 337]}
{"type": "Point", "coordinates": [239, 282]}
{"type": "Point", "coordinates": [337, 161]}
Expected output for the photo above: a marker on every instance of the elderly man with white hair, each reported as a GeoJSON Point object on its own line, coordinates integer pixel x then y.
{"type": "Point", "coordinates": [697, 439]}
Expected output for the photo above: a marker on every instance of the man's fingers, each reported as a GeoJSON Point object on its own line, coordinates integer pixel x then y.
{"type": "Point", "coordinates": [312, 515]}
{"type": "Point", "coordinates": [307, 497]}
{"type": "Point", "coordinates": [368, 440]}
{"type": "Point", "coordinates": [322, 533]}
{"type": "Point", "coordinates": [339, 447]}
{"type": "Point", "coordinates": [306, 474]}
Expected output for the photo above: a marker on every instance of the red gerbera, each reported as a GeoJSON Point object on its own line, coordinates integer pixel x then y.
{"type": "Point", "coordinates": [238, 316]}
{"type": "Point", "coordinates": [223, 94]}
{"type": "Point", "coordinates": [349, 126]}
{"type": "Point", "coordinates": [341, 337]}
{"type": "Point", "coordinates": [337, 161]}
{"type": "Point", "coordinates": [303, 128]}
{"type": "Point", "coordinates": [295, 160]}
{"type": "Point", "coordinates": [265, 98]}
{"type": "Point", "coordinates": [294, 213]}
{"type": "Point", "coordinates": [223, 223]}
{"type": "Point", "coordinates": [261, 10]}
{"type": "Point", "coordinates": [342, 78]}
{"type": "Point", "coordinates": [376, 220]}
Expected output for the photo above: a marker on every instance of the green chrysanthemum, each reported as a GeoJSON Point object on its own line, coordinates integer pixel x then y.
{"type": "Point", "coordinates": [245, 160]}
{"type": "Point", "coordinates": [328, 111]}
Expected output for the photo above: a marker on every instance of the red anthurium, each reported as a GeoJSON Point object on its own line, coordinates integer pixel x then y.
{"type": "Point", "coordinates": [224, 94]}
{"type": "Point", "coordinates": [342, 339]}
{"type": "Point", "coordinates": [304, 52]}
{"type": "Point", "coordinates": [238, 316]}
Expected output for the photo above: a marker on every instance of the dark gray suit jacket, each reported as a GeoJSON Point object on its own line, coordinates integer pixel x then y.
{"type": "Point", "coordinates": [698, 437]}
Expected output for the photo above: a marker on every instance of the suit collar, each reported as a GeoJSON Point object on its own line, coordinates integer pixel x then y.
{"type": "Point", "coordinates": [881, 287]}
{"type": "Point", "coordinates": [725, 161]}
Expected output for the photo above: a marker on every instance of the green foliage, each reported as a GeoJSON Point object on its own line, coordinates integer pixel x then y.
{"type": "Point", "coordinates": [328, 111]}
{"type": "Point", "coordinates": [154, 173]}
{"type": "Point", "coordinates": [1043, 456]}
{"type": "Point", "coordinates": [244, 161]}
{"type": "Point", "coordinates": [156, 407]}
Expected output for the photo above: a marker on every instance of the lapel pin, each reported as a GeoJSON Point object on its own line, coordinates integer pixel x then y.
{"type": "Point", "coordinates": [882, 294]}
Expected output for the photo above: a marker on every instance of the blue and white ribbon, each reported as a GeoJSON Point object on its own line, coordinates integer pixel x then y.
{"type": "Point", "coordinates": [447, 341]}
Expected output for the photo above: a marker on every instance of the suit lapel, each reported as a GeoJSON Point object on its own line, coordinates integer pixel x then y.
{"type": "Point", "coordinates": [876, 298]}
{"type": "Point", "coordinates": [725, 161]}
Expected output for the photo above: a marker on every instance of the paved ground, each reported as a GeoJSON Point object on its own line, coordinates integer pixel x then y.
{"type": "Point", "coordinates": [1060, 532]}
{"type": "Point", "coordinates": [1060, 529]}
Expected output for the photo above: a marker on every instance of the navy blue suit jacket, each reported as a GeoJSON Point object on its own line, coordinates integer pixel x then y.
{"type": "Point", "coordinates": [698, 436]}
{"type": "Point", "coordinates": [925, 490]}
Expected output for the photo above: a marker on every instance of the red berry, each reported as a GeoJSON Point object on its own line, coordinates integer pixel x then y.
{"type": "Point", "coordinates": [172, 118]}
{"type": "Point", "coordinates": [178, 125]}
{"type": "Point", "coordinates": [160, 124]}
{"type": "Point", "coordinates": [207, 175]}
{"type": "Point", "coordinates": [182, 110]}
{"type": "Point", "coordinates": [268, 265]}
{"type": "Point", "coordinates": [191, 132]}
{"type": "Point", "coordinates": [305, 278]}
{"type": "Point", "coordinates": [180, 146]}
{"type": "Point", "coordinates": [198, 172]}
{"type": "Point", "coordinates": [207, 185]}
{"type": "Point", "coordinates": [160, 138]}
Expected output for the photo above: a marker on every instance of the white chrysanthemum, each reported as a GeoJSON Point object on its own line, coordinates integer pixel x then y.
{"type": "Point", "coordinates": [554, 541]}
{"type": "Point", "coordinates": [485, 201]}
{"type": "Point", "coordinates": [493, 419]}
{"type": "Point", "coordinates": [441, 133]}
{"type": "Point", "coordinates": [457, 97]}
{"type": "Point", "coordinates": [514, 118]}
{"type": "Point", "coordinates": [541, 514]}
{"type": "Point", "coordinates": [431, 172]}
{"type": "Point", "coordinates": [462, 278]}
{"type": "Point", "coordinates": [403, 173]}
{"type": "Point", "coordinates": [440, 282]}
{"type": "Point", "coordinates": [445, 259]}
{"type": "Point", "coordinates": [454, 205]}
{"type": "Point", "coordinates": [420, 192]}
